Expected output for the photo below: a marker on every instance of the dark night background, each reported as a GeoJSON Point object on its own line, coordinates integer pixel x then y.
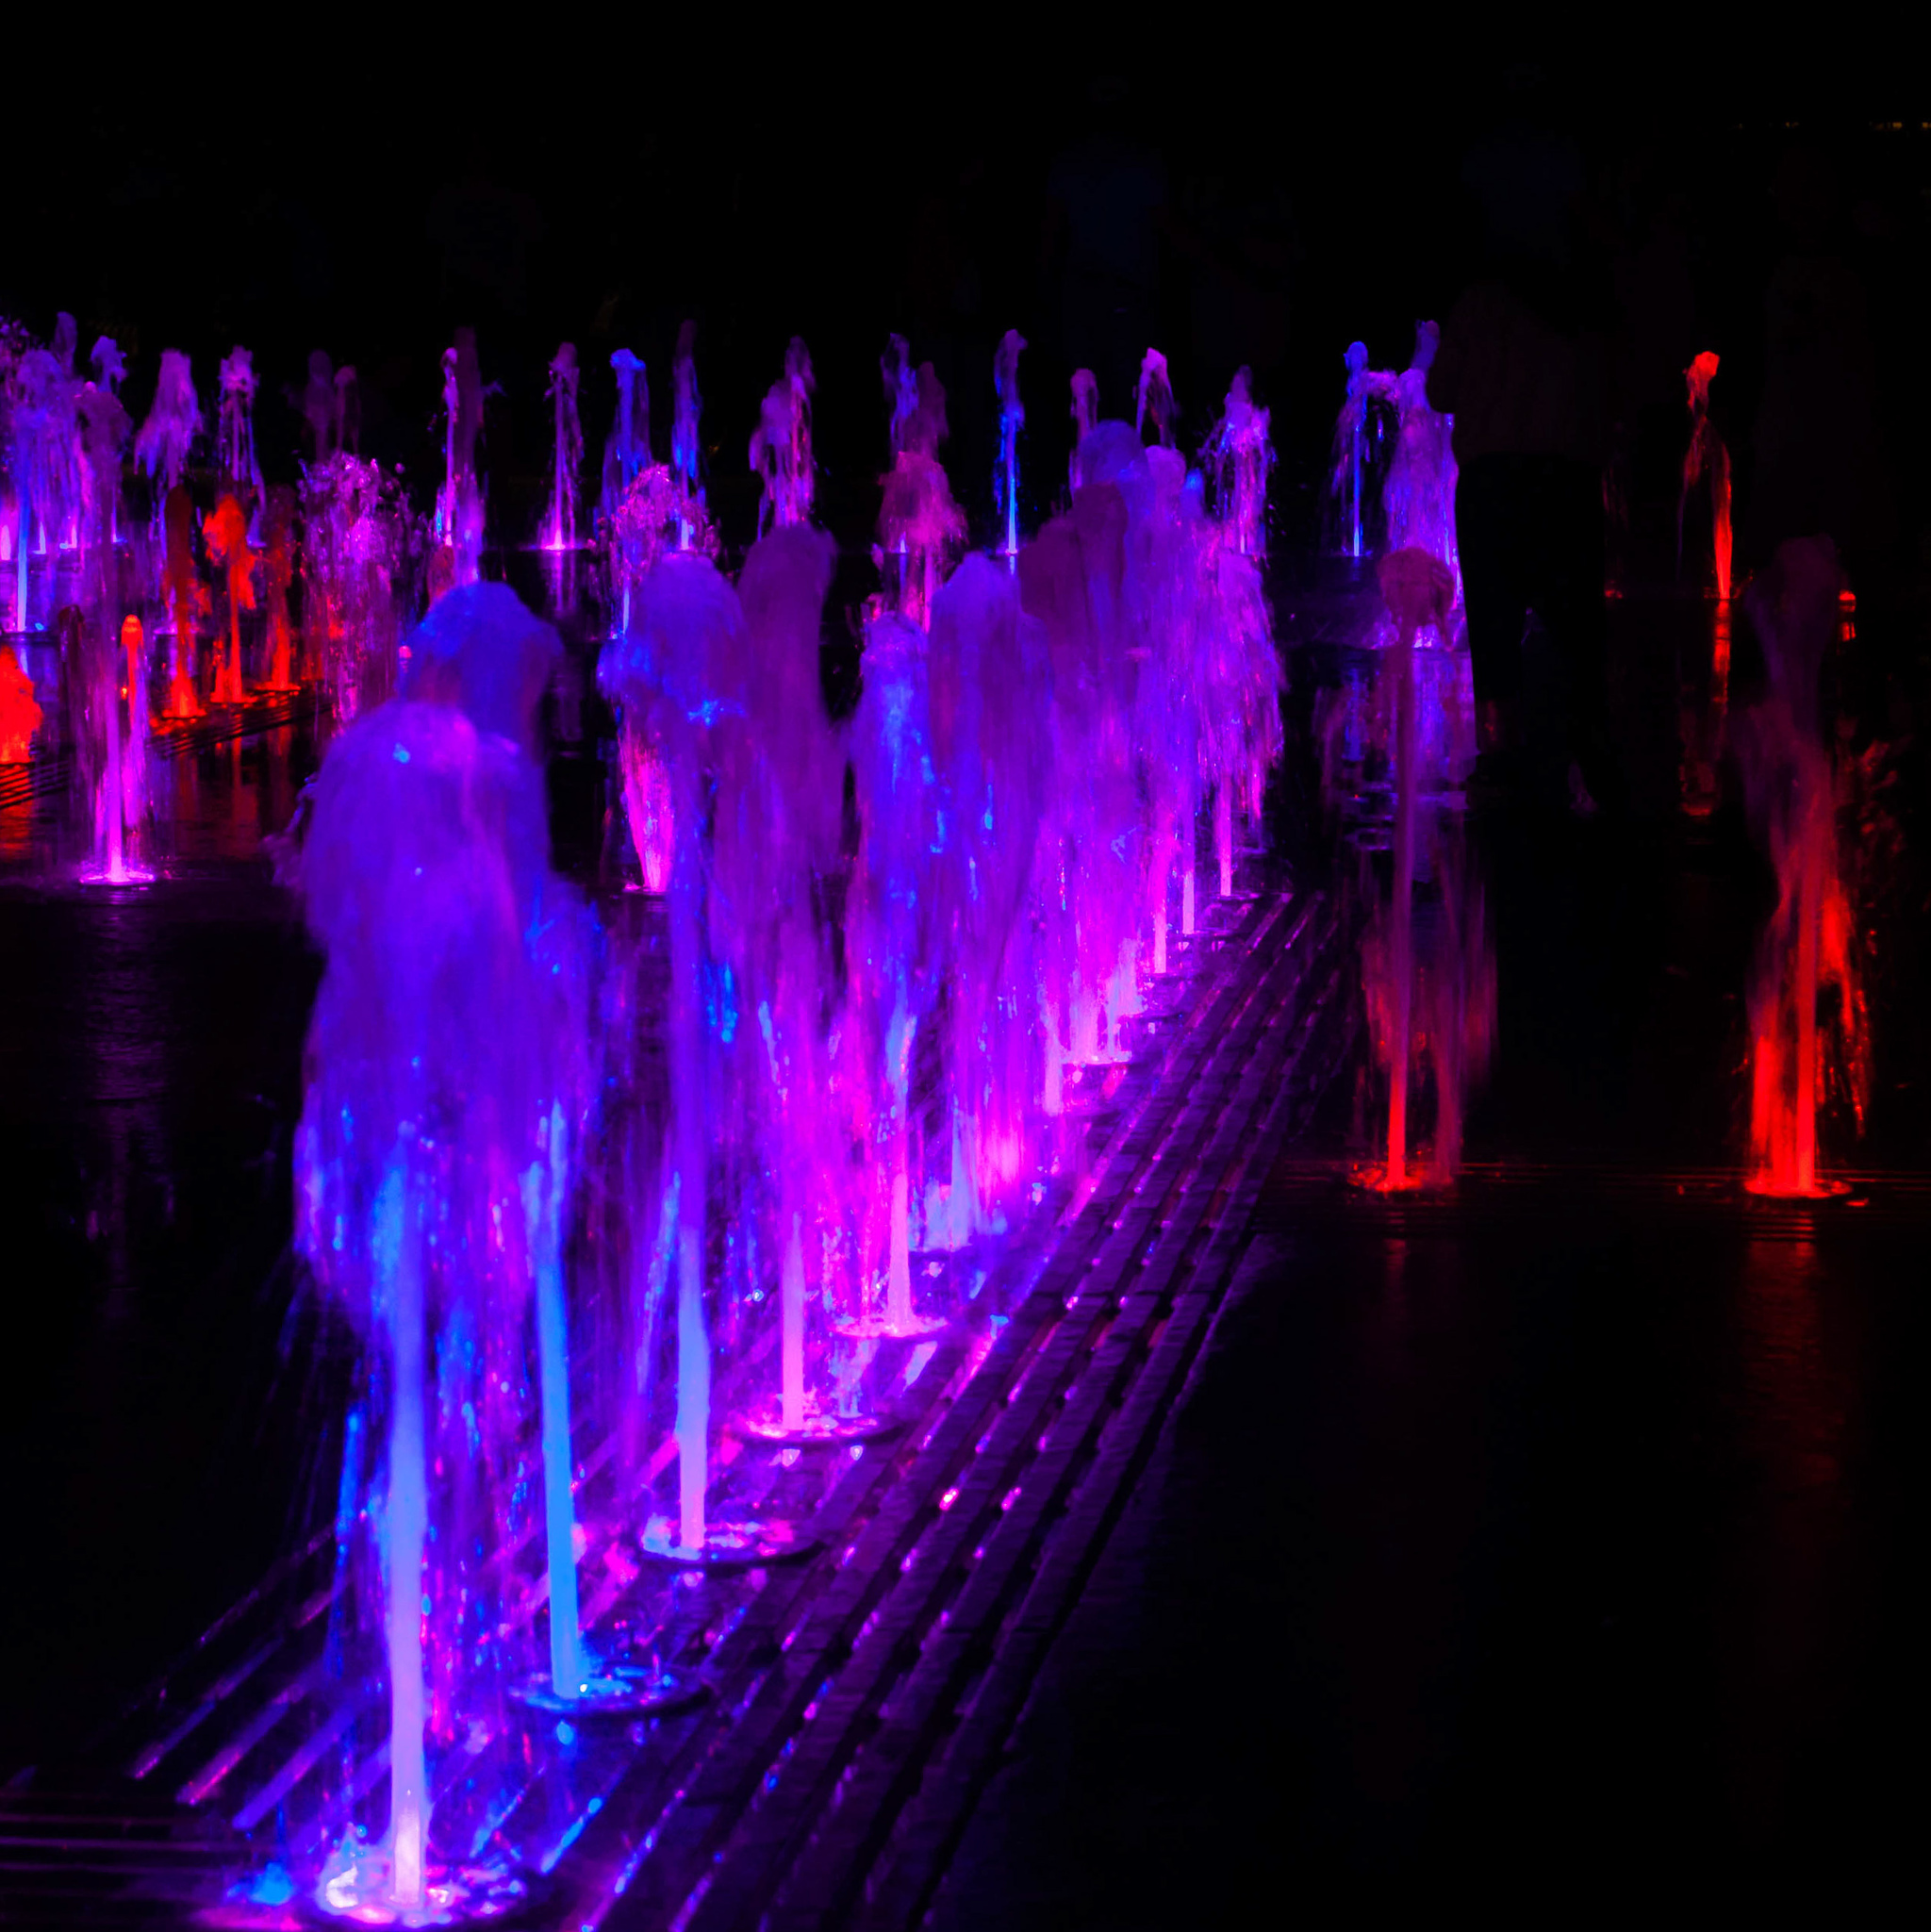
{"type": "Point", "coordinates": [1282, 194]}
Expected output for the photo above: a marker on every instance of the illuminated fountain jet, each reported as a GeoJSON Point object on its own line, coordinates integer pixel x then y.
{"type": "Point", "coordinates": [1706, 457]}
{"type": "Point", "coordinates": [434, 1162]}
{"type": "Point", "coordinates": [114, 761]}
{"type": "Point", "coordinates": [356, 561]}
{"type": "Point", "coordinates": [1086, 414]}
{"type": "Point", "coordinates": [1074, 579]}
{"type": "Point", "coordinates": [226, 535]}
{"type": "Point", "coordinates": [277, 579]}
{"type": "Point", "coordinates": [1242, 455]}
{"type": "Point", "coordinates": [627, 447]}
{"type": "Point", "coordinates": [920, 527]}
{"type": "Point", "coordinates": [237, 473]}
{"type": "Point", "coordinates": [890, 937]}
{"type": "Point", "coordinates": [458, 521]}
{"type": "Point", "coordinates": [776, 822]}
{"type": "Point", "coordinates": [1803, 1047]}
{"type": "Point", "coordinates": [162, 449]}
{"type": "Point", "coordinates": [566, 449]}
{"type": "Point", "coordinates": [187, 599]}
{"type": "Point", "coordinates": [46, 469]}
{"type": "Point", "coordinates": [1435, 1003]}
{"type": "Point", "coordinates": [1153, 401]}
{"type": "Point", "coordinates": [1357, 431]}
{"type": "Point", "coordinates": [19, 712]}
{"type": "Point", "coordinates": [680, 676]}
{"type": "Point", "coordinates": [1707, 461]}
{"type": "Point", "coordinates": [1418, 496]}
{"type": "Point", "coordinates": [685, 449]}
{"type": "Point", "coordinates": [1240, 674]}
{"type": "Point", "coordinates": [655, 514]}
{"type": "Point", "coordinates": [1005, 482]}
{"type": "Point", "coordinates": [780, 444]}
{"type": "Point", "coordinates": [992, 753]}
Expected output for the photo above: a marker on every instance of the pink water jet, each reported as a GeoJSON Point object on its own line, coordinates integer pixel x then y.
{"type": "Point", "coordinates": [226, 535]}
{"type": "Point", "coordinates": [1418, 590]}
{"type": "Point", "coordinates": [566, 450]}
{"type": "Point", "coordinates": [920, 527]}
{"type": "Point", "coordinates": [780, 444]}
{"type": "Point", "coordinates": [1242, 454]}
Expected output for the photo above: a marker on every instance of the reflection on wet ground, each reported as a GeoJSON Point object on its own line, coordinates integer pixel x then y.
{"type": "Point", "coordinates": [1557, 1552]}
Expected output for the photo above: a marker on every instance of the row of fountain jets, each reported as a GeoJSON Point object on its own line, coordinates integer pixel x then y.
{"type": "Point", "coordinates": [890, 942]}
{"type": "Point", "coordinates": [1037, 733]}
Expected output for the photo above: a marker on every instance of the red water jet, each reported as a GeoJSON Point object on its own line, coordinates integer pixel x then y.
{"type": "Point", "coordinates": [278, 574]}
{"type": "Point", "coordinates": [1707, 457]}
{"type": "Point", "coordinates": [1808, 1014]}
{"type": "Point", "coordinates": [227, 532]}
{"type": "Point", "coordinates": [187, 598]}
{"type": "Point", "coordinates": [19, 715]}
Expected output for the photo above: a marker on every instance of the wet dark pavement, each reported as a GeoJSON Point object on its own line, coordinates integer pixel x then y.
{"type": "Point", "coordinates": [150, 1080]}
{"type": "Point", "coordinates": [1547, 1558]}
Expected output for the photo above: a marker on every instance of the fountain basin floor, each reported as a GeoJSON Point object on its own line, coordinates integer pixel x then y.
{"type": "Point", "coordinates": [1566, 1541]}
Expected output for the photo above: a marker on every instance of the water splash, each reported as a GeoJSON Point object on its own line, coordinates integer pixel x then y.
{"type": "Point", "coordinates": [920, 524]}
{"type": "Point", "coordinates": [1242, 454]}
{"type": "Point", "coordinates": [173, 422]}
{"type": "Point", "coordinates": [360, 541]}
{"type": "Point", "coordinates": [109, 367]}
{"type": "Point", "coordinates": [780, 444]}
{"type": "Point", "coordinates": [1418, 496]}
{"type": "Point", "coordinates": [1154, 398]}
